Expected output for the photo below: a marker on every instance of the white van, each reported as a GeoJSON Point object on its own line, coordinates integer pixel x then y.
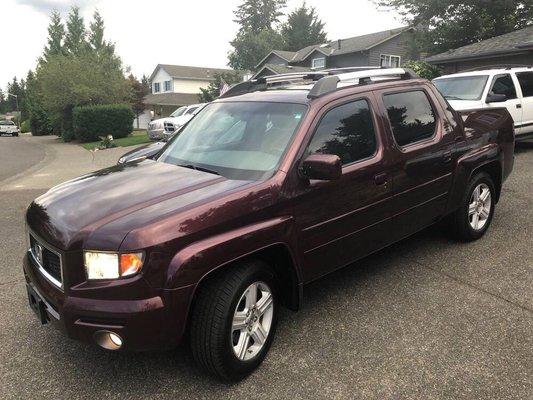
{"type": "Point", "coordinates": [511, 88]}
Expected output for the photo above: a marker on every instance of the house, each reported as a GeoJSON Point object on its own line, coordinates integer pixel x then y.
{"type": "Point", "coordinates": [386, 48]}
{"type": "Point", "coordinates": [176, 85]}
{"type": "Point", "coordinates": [508, 49]}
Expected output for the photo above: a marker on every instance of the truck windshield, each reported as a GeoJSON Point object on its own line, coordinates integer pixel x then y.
{"type": "Point", "coordinates": [462, 87]}
{"type": "Point", "coordinates": [178, 112]}
{"type": "Point", "coordinates": [238, 140]}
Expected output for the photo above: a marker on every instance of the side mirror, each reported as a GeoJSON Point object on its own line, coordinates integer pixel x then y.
{"type": "Point", "coordinates": [495, 98]}
{"type": "Point", "coordinates": [324, 167]}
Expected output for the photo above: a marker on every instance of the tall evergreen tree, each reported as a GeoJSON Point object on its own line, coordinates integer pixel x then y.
{"type": "Point", "coordinates": [256, 15]}
{"type": "Point", "coordinates": [75, 39]}
{"type": "Point", "coordinates": [56, 35]}
{"type": "Point", "coordinates": [303, 28]}
{"type": "Point", "coordinates": [257, 34]}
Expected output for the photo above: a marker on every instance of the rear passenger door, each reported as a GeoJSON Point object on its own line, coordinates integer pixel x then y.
{"type": "Point", "coordinates": [423, 158]}
{"type": "Point", "coordinates": [525, 80]}
{"type": "Point", "coordinates": [342, 220]}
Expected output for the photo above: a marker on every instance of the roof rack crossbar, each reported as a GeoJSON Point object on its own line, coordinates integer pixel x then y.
{"type": "Point", "coordinates": [326, 81]}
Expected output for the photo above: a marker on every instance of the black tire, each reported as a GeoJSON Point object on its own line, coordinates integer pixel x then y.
{"type": "Point", "coordinates": [460, 219]}
{"type": "Point", "coordinates": [210, 334]}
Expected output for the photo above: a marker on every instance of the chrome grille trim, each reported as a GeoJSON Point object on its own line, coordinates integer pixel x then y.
{"type": "Point", "coordinates": [40, 267]}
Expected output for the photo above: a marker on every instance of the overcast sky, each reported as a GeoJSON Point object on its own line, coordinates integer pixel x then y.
{"type": "Point", "coordinates": [152, 32]}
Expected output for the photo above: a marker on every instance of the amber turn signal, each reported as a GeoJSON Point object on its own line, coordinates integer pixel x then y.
{"type": "Point", "coordinates": [130, 263]}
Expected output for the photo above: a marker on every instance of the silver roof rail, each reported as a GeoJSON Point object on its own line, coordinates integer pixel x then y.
{"type": "Point", "coordinates": [327, 81]}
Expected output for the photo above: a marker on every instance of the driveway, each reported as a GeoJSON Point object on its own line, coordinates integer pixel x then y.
{"type": "Point", "coordinates": [426, 319]}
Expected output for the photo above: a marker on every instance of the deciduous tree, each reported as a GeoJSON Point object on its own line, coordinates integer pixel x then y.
{"type": "Point", "coordinates": [449, 24]}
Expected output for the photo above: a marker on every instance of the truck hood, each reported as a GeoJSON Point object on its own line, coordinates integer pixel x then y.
{"type": "Point", "coordinates": [94, 211]}
{"type": "Point", "coordinates": [461, 105]}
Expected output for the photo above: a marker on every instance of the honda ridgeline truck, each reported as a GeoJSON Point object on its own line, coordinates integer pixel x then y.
{"type": "Point", "coordinates": [276, 184]}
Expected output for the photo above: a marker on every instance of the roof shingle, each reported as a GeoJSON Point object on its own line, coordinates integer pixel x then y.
{"type": "Point", "coordinates": [188, 72]}
{"type": "Point", "coordinates": [508, 43]}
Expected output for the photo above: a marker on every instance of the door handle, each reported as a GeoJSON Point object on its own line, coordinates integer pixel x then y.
{"type": "Point", "coordinates": [380, 179]}
{"type": "Point", "coordinates": [519, 106]}
{"type": "Point", "coordinates": [447, 156]}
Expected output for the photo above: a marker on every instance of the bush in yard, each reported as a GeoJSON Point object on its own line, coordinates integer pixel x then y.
{"type": "Point", "coordinates": [423, 69]}
{"type": "Point", "coordinates": [25, 126]}
{"type": "Point", "coordinates": [92, 122]}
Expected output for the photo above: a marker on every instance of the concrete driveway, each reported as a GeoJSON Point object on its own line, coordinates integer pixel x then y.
{"type": "Point", "coordinates": [428, 318]}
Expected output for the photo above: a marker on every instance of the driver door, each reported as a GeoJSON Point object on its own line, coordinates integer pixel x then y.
{"type": "Point", "coordinates": [342, 220]}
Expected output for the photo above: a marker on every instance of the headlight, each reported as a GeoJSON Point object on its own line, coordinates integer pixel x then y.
{"type": "Point", "coordinates": [100, 265]}
{"type": "Point", "coordinates": [122, 160]}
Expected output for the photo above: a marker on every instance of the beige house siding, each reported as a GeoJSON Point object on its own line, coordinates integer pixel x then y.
{"type": "Point", "coordinates": [189, 85]}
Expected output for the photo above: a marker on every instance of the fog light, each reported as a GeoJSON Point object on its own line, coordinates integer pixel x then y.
{"type": "Point", "coordinates": [108, 340]}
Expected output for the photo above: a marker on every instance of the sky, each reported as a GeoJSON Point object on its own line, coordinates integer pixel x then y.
{"type": "Point", "coordinates": [151, 32]}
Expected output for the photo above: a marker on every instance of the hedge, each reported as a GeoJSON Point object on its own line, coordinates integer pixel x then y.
{"type": "Point", "coordinates": [25, 126]}
{"type": "Point", "coordinates": [91, 122]}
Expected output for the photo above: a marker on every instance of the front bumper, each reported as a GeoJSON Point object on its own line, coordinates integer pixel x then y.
{"type": "Point", "coordinates": [151, 323]}
{"type": "Point", "coordinates": [156, 134]}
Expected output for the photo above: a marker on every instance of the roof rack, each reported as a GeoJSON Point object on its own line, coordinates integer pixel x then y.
{"type": "Point", "coordinates": [326, 81]}
{"type": "Point", "coordinates": [497, 66]}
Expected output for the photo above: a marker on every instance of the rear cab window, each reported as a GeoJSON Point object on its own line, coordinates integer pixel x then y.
{"type": "Point", "coordinates": [411, 116]}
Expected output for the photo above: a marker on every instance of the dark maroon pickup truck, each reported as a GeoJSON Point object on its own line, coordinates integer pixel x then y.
{"type": "Point", "coordinates": [276, 184]}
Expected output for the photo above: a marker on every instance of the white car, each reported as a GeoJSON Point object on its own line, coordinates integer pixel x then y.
{"type": "Point", "coordinates": [511, 88]}
{"type": "Point", "coordinates": [8, 128]}
{"type": "Point", "coordinates": [164, 128]}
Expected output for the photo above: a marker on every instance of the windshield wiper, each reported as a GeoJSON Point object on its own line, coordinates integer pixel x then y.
{"type": "Point", "coordinates": [197, 168]}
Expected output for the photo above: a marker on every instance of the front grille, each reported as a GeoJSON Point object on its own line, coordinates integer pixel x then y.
{"type": "Point", "coordinates": [48, 261]}
{"type": "Point", "coordinates": [169, 127]}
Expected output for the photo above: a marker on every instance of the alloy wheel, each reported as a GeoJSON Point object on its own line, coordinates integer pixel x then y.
{"type": "Point", "coordinates": [479, 207]}
{"type": "Point", "coordinates": [252, 321]}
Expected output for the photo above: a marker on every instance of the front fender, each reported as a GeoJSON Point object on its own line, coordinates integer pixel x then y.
{"type": "Point", "coordinates": [192, 263]}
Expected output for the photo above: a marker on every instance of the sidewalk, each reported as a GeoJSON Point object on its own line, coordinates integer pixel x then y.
{"type": "Point", "coordinates": [62, 161]}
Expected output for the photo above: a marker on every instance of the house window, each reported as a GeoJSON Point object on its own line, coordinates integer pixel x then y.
{"type": "Point", "coordinates": [318, 62]}
{"type": "Point", "coordinates": [388, 60]}
{"type": "Point", "coordinates": [157, 87]}
{"type": "Point", "coordinates": [167, 86]}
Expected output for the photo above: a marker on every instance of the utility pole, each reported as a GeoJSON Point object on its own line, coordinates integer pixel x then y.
{"type": "Point", "coordinates": [17, 102]}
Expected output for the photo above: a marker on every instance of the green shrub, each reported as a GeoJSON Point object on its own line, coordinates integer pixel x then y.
{"type": "Point", "coordinates": [92, 122]}
{"type": "Point", "coordinates": [67, 135]}
{"type": "Point", "coordinates": [423, 69]}
{"type": "Point", "coordinates": [40, 123]}
{"type": "Point", "coordinates": [25, 126]}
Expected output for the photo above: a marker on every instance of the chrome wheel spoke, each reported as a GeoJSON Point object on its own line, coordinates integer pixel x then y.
{"type": "Point", "coordinates": [484, 212]}
{"type": "Point", "coordinates": [251, 296]}
{"type": "Point", "coordinates": [259, 335]}
{"type": "Point", "coordinates": [264, 303]}
{"type": "Point", "coordinates": [239, 321]}
{"type": "Point", "coordinates": [242, 345]}
{"type": "Point", "coordinates": [475, 220]}
{"type": "Point", "coordinates": [472, 208]}
{"type": "Point", "coordinates": [485, 194]}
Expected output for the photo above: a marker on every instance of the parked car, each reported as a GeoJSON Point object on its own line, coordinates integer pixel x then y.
{"type": "Point", "coordinates": [262, 192]}
{"type": "Point", "coordinates": [9, 128]}
{"type": "Point", "coordinates": [511, 88]}
{"type": "Point", "coordinates": [163, 128]}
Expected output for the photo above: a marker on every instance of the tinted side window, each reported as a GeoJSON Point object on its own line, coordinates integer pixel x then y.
{"type": "Point", "coordinates": [411, 116]}
{"type": "Point", "coordinates": [526, 83]}
{"type": "Point", "coordinates": [503, 84]}
{"type": "Point", "coordinates": [346, 131]}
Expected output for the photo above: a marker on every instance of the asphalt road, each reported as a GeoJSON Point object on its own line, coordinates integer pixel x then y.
{"type": "Point", "coordinates": [428, 318]}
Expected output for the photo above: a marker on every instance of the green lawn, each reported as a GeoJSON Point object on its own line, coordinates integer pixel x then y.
{"type": "Point", "coordinates": [137, 137]}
